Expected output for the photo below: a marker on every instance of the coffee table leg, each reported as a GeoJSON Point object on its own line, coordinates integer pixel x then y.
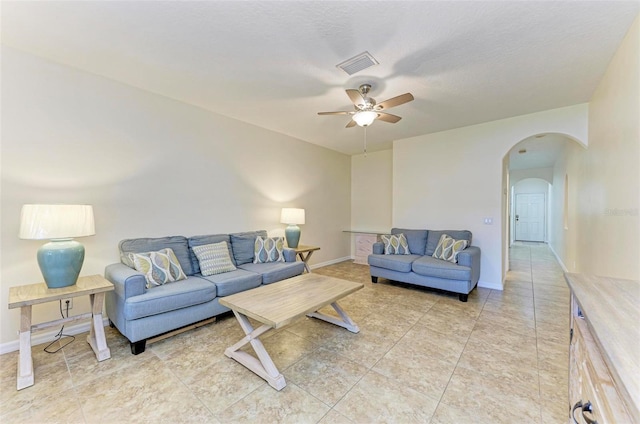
{"type": "Point", "coordinates": [345, 322]}
{"type": "Point", "coordinates": [263, 366]}
{"type": "Point", "coordinates": [25, 362]}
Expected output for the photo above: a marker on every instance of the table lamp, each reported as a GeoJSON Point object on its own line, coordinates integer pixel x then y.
{"type": "Point", "coordinates": [61, 259]}
{"type": "Point", "coordinates": [292, 217]}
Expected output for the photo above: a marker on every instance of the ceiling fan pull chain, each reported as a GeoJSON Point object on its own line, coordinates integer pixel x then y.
{"type": "Point", "coordinates": [365, 142]}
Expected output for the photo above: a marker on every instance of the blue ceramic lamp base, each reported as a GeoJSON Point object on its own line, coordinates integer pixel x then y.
{"type": "Point", "coordinates": [60, 262]}
{"type": "Point", "coordinates": [292, 234]}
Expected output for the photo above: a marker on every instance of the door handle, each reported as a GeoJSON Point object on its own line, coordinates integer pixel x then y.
{"type": "Point", "coordinates": [517, 217]}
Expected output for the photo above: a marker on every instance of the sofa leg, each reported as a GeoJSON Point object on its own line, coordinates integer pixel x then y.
{"type": "Point", "coordinates": [138, 347]}
{"type": "Point", "coordinates": [374, 279]}
{"type": "Point", "coordinates": [111, 324]}
{"type": "Point", "coordinates": [463, 297]}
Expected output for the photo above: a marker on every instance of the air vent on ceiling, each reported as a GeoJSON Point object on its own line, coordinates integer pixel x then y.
{"type": "Point", "coordinates": [357, 63]}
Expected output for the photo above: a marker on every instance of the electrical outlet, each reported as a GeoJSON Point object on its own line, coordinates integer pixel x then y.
{"type": "Point", "coordinates": [64, 304]}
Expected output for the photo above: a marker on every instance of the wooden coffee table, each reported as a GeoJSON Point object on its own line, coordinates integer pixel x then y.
{"type": "Point", "coordinates": [279, 304]}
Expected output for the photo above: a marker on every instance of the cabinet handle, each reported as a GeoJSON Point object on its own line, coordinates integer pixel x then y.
{"type": "Point", "coordinates": [587, 407]}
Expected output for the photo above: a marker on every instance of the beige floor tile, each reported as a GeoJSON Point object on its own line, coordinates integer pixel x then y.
{"type": "Point", "coordinates": [517, 324]}
{"type": "Point", "coordinates": [218, 384]}
{"type": "Point", "coordinates": [511, 309]}
{"type": "Point", "coordinates": [427, 374]}
{"type": "Point", "coordinates": [456, 326]}
{"type": "Point", "coordinates": [266, 405]}
{"type": "Point", "coordinates": [325, 375]}
{"type": "Point", "coordinates": [334, 417]}
{"type": "Point", "coordinates": [378, 399]}
{"type": "Point", "coordinates": [285, 348]}
{"type": "Point", "coordinates": [146, 393]}
{"type": "Point", "coordinates": [366, 348]}
{"type": "Point", "coordinates": [497, 398]}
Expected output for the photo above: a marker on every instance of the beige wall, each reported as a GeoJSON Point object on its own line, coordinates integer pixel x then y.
{"type": "Point", "coordinates": [454, 179]}
{"type": "Point", "coordinates": [371, 192]}
{"type": "Point", "coordinates": [608, 216]}
{"type": "Point", "coordinates": [151, 166]}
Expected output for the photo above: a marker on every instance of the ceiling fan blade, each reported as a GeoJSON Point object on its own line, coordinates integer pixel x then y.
{"type": "Point", "coordinates": [336, 113]}
{"type": "Point", "coordinates": [355, 96]}
{"type": "Point", "coordinates": [387, 117]}
{"type": "Point", "coordinates": [351, 123]}
{"type": "Point", "coordinates": [395, 101]}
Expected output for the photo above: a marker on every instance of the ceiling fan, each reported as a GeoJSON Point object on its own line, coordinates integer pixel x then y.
{"type": "Point", "coordinates": [367, 110]}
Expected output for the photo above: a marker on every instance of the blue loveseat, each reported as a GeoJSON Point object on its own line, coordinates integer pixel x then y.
{"type": "Point", "coordinates": [141, 313]}
{"type": "Point", "coordinates": [422, 269]}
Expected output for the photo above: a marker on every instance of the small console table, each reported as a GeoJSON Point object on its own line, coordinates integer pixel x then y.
{"type": "Point", "coordinates": [24, 297]}
{"type": "Point", "coordinates": [305, 252]}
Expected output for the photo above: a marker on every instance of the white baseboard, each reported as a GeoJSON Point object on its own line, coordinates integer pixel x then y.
{"type": "Point", "coordinates": [48, 336]}
{"type": "Point", "coordinates": [490, 285]}
{"type": "Point", "coordinates": [564, 268]}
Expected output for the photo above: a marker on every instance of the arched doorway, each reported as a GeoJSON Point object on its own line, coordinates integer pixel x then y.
{"type": "Point", "coordinates": [536, 167]}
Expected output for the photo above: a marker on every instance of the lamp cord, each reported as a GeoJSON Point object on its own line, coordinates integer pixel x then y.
{"type": "Point", "coordinates": [60, 334]}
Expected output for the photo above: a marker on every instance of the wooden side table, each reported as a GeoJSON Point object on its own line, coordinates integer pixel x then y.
{"type": "Point", "coordinates": [304, 253]}
{"type": "Point", "coordinates": [24, 297]}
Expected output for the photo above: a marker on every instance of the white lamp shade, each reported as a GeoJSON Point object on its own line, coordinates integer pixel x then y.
{"type": "Point", "coordinates": [365, 118]}
{"type": "Point", "coordinates": [41, 222]}
{"type": "Point", "coordinates": [292, 216]}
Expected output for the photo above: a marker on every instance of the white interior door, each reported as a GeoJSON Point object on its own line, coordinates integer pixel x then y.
{"type": "Point", "coordinates": [530, 217]}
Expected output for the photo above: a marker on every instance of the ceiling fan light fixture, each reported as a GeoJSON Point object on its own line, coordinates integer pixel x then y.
{"type": "Point", "coordinates": [365, 118]}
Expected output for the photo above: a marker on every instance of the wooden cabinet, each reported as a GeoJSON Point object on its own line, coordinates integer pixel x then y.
{"type": "Point", "coordinates": [604, 356]}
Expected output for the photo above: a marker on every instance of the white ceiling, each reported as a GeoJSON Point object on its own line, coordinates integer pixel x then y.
{"type": "Point", "coordinates": [539, 151]}
{"type": "Point", "coordinates": [272, 64]}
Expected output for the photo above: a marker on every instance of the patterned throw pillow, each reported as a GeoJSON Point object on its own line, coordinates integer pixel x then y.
{"type": "Point", "coordinates": [268, 249]}
{"type": "Point", "coordinates": [214, 258]}
{"type": "Point", "coordinates": [158, 267]}
{"type": "Point", "coordinates": [448, 248]}
{"type": "Point", "coordinates": [395, 244]}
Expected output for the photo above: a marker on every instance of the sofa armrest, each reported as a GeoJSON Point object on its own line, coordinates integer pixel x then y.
{"type": "Point", "coordinates": [289, 254]}
{"type": "Point", "coordinates": [127, 281]}
{"type": "Point", "coordinates": [471, 257]}
{"type": "Point", "coordinates": [378, 248]}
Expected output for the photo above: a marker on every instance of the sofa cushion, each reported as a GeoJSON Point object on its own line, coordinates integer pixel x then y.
{"type": "Point", "coordinates": [207, 239]}
{"type": "Point", "coordinates": [401, 263]}
{"type": "Point", "coordinates": [158, 267]}
{"type": "Point", "coordinates": [242, 245]}
{"type": "Point", "coordinates": [178, 244]}
{"type": "Point", "coordinates": [213, 258]}
{"type": "Point", "coordinates": [448, 248]}
{"type": "Point", "coordinates": [268, 249]}
{"type": "Point", "coordinates": [275, 271]}
{"type": "Point", "coordinates": [439, 268]}
{"type": "Point", "coordinates": [235, 281]}
{"type": "Point", "coordinates": [169, 297]}
{"type": "Point", "coordinates": [434, 238]}
{"type": "Point", "coordinates": [417, 239]}
{"type": "Point", "coordinates": [395, 244]}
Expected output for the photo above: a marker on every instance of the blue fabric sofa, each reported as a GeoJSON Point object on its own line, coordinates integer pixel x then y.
{"type": "Point", "coordinates": [422, 269]}
{"type": "Point", "coordinates": [140, 313]}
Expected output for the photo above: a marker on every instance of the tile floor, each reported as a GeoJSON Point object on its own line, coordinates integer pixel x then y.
{"type": "Point", "coordinates": [421, 357]}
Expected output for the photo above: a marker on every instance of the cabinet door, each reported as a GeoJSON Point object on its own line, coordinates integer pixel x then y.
{"type": "Point", "coordinates": [596, 385]}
